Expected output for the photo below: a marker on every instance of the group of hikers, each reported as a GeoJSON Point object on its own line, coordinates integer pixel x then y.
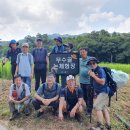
{"type": "Point", "coordinates": [65, 99]}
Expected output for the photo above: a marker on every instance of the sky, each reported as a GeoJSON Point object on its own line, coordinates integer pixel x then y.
{"type": "Point", "coordinates": [19, 18]}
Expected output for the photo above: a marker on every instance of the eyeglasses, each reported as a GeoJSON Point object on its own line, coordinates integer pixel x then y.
{"type": "Point", "coordinates": [92, 63]}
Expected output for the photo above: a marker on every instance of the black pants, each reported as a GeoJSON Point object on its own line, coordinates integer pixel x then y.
{"type": "Point", "coordinates": [39, 74]}
{"type": "Point", "coordinates": [37, 104]}
{"type": "Point", "coordinates": [88, 93]}
{"type": "Point", "coordinates": [13, 68]}
{"type": "Point", "coordinates": [63, 80]}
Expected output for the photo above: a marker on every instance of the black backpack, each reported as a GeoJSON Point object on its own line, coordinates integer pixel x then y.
{"type": "Point", "coordinates": [111, 83]}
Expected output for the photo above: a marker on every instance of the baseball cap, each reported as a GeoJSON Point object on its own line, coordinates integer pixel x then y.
{"type": "Point", "coordinates": [25, 44]}
{"type": "Point", "coordinates": [69, 77]}
{"type": "Point", "coordinates": [92, 59]}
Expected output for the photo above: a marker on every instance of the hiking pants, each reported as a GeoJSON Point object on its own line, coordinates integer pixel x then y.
{"type": "Point", "coordinates": [39, 74]}
{"type": "Point", "coordinates": [37, 104]}
{"type": "Point", "coordinates": [27, 80]}
{"type": "Point", "coordinates": [88, 96]}
{"type": "Point", "coordinates": [13, 68]}
{"type": "Point", "coordinates": [12, 105]}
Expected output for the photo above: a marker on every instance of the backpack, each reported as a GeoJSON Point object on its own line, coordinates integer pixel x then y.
{"type": "Point", "coordinates": [44, 85]}
{"type": "Point", "coordinates": [22, 95]}
{"type": "Point", "coordinates": [29, 58]}
{"type": "Point", "coordinates": [111, 83]}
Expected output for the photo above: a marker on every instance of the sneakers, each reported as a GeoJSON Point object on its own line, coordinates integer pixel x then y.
{"type": "Point", "coordinates": [39, 114]}
{"type": "Point", "coordinates": [98, 126]}
{"type": "Point", "coordinates": [14, 115]}
{"type": "Point", "coordinates": [27, 111]}
{"type": "Point", "coordinates": [108, 126]}
{"type": "Point", "coordinates": [78, 117]}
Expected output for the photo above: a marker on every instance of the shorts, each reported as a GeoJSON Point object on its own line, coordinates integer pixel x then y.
{"type": "Point", "coordinates": [101, 102]}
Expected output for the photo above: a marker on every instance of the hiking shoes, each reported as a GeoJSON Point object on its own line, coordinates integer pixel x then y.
{"type": "Point", "coordinates": [78, 117]}
{"type": "Point", "coordinates": [14, 115]}
{"type": "Point", "coordinates": [108, 127]}
{"type": "Point", "coordinates": [27, 111]}
{"type": "Point", "coordinates": [40, 114]}
{"type": "Point", "coordinates": [98, 126]}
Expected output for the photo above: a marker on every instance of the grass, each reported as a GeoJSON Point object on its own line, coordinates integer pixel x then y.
{"type": "Point", "coordinates": [50, 122]}
{"type": "Point", "coordinates": [6, 73]}
{"type": "Point", "coordinates": [122, 67]}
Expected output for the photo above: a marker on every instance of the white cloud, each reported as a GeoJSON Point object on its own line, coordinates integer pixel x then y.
{"type": "Point", "coordinates": [19, 18]}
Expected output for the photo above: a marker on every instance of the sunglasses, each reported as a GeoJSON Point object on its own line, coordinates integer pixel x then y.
{"type": "Point", "coordinates": [92, 63]}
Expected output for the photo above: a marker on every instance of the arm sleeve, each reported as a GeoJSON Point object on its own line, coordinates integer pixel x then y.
{"type": "Point", "coordinates": [102, 74]}
{"type": "Point", "coordinates": [40, 90]}
{"type": "Point", "coordinates": [11, 89]}
{"type": "Point", "coordinates": [80, 93]}
{"type": "Point", "coordinates": [17, 60]}
{"type": "Point", "coordinates": [32, 59]}
{"type": "Point", "coordinates": [58, 90]}
{"type": "Point", "coordinates": [27, 90]}
{"type": "Point", "coordinates": [8, 54]}
{"type": "Point", "coordinates": [62, 93]}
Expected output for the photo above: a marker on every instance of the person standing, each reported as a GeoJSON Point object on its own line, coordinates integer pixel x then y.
{"type": "Point", "coordinates": [59, 48]}
{"type": "Point", "coordinates": [25, 65]}
{"type": "Point", "coordinates": [85, 80]}
{"type": "Point", "coordinates": [99, 82]}
{"type": "Point", "coordinates": [40, 63]}
{"type": "Point", "coordinates": [12, 53]}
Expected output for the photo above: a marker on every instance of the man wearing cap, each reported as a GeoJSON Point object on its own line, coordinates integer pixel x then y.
{"type": "Point", "coordinates": [12, 53]}
{"type": "Point", "coordinates": [25, 65]}
{"type": "Point", "coordinates": [84, 80]}
{"type": "Point", "coordinates": [19, 97]}
{"type": "Point", "coordinates": [47, 95]}
{"type": "Point", "coordinates": [40, 62]}
{"type": "Point", "coordinates": [71, 99]}
{"type": "Point", "coordinates": [101, 89]}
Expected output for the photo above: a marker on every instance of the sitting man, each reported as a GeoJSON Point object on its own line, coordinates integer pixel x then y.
{"type": "Point", "coordinates": [19, 97]}
{"type": "Point", "coordinates": [47, 95]}
{"type": "Point", "coordinates": [71, 99]}
{"type": "Point", "coordinates": [101, 94]}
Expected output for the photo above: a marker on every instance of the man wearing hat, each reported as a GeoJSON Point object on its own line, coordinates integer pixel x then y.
{"type": "Point", "coordinates": [25, 65]}
{"type": "Point", "coordinates": [12, 54]}
{"type": "Point", "coordinates": [59, 48]}
{"type": "Point", "coordinates": [99, 82]}
{"type": "Point", "coordinates": [40, 62]}
{"type": "Point", "coordinates": [71, 99]}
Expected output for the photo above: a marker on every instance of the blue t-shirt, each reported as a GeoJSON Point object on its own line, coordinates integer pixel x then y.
{"type": "Point", "coordinates": [71, 98]}
{"type": "Point", "coordinates": [48, 93]}
{"type": "Point", "coordinates": [100, 73]}
{"type": "Point", "coordinates": [84, 68]}
{"type": "Point", "coordinates": [39, 56]}
{"type": "Point", "coordinates": [13, 55]}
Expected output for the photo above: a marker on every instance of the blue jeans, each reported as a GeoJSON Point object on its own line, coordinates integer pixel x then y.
{"type": "Point", "coordinates": [27, 80]}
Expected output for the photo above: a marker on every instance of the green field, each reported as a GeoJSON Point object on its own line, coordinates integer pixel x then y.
{"type": "Point", "coordinates": [7, 68]}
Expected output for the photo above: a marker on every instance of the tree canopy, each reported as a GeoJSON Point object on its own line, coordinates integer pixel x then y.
{"type": "Point", "coordinates": [107, 47]}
